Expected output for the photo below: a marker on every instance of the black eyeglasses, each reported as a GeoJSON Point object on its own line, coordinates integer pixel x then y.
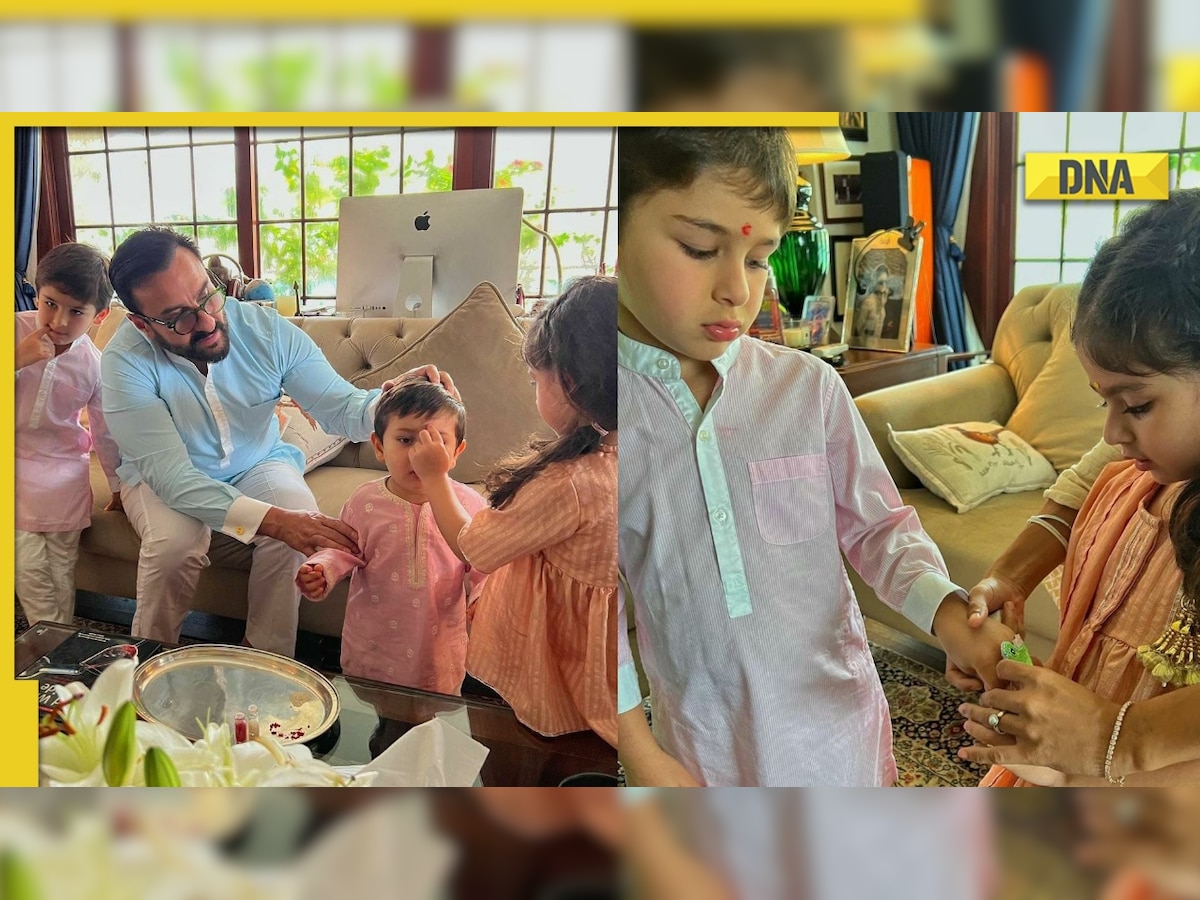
{"type": "Point", "coordinates": [186, 321]}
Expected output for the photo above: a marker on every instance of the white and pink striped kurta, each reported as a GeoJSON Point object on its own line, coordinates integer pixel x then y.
{"type": "Point", "coordinates": [53, 490]}
{"type": "Point", "coordinates": [731, 527]}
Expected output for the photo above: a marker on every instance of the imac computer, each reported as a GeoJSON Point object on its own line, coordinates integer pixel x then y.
{"type": "Point", "coordinates": [421, 254]}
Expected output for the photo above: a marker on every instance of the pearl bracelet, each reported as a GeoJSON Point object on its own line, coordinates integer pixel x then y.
{"type": "Point", "coordinates": [1112, 746]}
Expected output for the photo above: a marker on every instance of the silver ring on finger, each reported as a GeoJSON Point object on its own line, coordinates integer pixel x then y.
{"type": "Point", "coordinates": [994, 720]}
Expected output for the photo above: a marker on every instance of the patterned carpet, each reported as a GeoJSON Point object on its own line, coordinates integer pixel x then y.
{"type": "Point", "coordinates": [926, 727]}
{"type": "Point", "coordinates": [927, 730]}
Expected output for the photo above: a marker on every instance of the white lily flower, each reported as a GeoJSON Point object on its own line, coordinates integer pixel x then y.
{"type": "Point", "coordinates": [73, 756]}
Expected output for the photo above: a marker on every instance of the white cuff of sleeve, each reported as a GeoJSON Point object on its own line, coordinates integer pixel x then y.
{"type": "Point", "coordinates": [629, 692]}
{"type": "Point", "coordinates": [925, 596]}
{"type": "Point", "coordinates": [242, 519]}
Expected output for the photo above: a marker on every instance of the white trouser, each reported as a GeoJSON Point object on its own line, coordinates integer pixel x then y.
{"type": "Point", "coordinates": [45, 574]}
{"type": "Point", "coordinates": [174, 552]}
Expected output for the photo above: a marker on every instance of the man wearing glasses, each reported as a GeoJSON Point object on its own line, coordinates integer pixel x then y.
{"type": "Point", "coordinates": [190, 384]}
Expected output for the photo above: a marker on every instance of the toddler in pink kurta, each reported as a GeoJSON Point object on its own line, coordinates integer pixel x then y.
{"type": "Point", "coordinates": [406, 616]}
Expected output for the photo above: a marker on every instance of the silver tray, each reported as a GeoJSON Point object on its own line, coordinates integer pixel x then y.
{"type": "Point", "coordinates": [184, 688]}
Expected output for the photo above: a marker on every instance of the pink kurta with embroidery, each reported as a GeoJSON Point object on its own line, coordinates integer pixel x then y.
{"type": "Point", "coordinates": [545, 629]}
{"type": "Point", "coordinates": [53, 489]}
{"type": "Point", "coordinates": [406, 616]}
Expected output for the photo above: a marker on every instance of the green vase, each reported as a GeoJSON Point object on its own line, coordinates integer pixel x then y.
{"type": "Point", "coordinates": [802, 259]}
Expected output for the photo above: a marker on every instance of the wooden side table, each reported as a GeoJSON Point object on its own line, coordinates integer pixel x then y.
{"type": "Point", "coordinates": [870, 370]}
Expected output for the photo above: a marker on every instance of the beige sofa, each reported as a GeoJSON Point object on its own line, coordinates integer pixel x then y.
{"type": "Point", "coordinates": [1035, 385]}
{"type": "Point", "coordinates": [478, 343]}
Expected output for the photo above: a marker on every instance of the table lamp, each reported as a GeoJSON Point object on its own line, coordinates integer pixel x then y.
{"type": "Point", "coordinates": [802, 259]}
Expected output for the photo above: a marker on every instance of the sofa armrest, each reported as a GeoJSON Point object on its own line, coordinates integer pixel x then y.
{"type": "Point", "coordinates": [977, 394]}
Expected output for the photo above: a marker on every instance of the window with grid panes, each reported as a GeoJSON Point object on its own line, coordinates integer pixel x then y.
{"type": "Point", "coordinates": [302, 173]}
{"type": "Point", "coordinates": [1055, 240]}
{"type": "Point", "coordinates": [123, 179]}
{"type": "Point", "coordinates": [569, 178]}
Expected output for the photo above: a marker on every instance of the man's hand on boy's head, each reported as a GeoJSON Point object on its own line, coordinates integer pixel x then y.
{"type": "Point", "coordinates": [429, 373]}
{"type": "Point", "coordinates": [34, 347]}
{"type": "Point", "coordinates": [430, 456]}
{"type": "Point", "coordinates": [974, 651]}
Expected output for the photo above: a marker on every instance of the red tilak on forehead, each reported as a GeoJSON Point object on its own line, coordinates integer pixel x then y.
{"type": "Point", "coordinates": [746, 228]}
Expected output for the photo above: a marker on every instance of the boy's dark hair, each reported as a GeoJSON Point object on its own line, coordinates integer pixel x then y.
{"type": "Point", "coordinates": [1139, 313]}
{"type": "Point", "coordinates": [143, 254]}
{"type": "Point", "coordinates": [78, 271]}
{"type": "Point", "coordinates": [417, 396]}
{"type": "Point", "coordinates": [575, 338]}
{"type": "Point", "coordinates": [759, 162]}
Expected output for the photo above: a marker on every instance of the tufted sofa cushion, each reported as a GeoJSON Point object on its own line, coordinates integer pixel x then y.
{"type": "Point", "coordinates": [1057, 412]}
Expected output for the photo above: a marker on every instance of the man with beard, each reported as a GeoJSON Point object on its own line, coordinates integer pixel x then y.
{"type": "Point", "coordinates": [190, 385]}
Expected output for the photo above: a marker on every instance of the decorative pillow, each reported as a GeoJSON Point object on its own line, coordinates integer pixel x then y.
{"type": "Point", "coordinates": [479, 344]}
{"type": "Point", "coordinates": [969, 463]}
{"type": "Point", "coordinates": [300, 430]}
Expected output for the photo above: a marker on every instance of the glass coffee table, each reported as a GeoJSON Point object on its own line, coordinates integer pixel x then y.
{"type": "Point", "coordinates": [374, 715]}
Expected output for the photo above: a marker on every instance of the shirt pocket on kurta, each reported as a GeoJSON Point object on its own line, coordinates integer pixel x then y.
{"type": "Point", "coordinates": [791, 497]}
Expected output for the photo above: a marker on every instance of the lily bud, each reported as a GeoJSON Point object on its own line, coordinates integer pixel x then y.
{"type": "Point", "coordinates": [160, 770]}
{"type": "Point", "coordinates": [120, 749]}
{"type": "Point", "coordinates": [17, 879]}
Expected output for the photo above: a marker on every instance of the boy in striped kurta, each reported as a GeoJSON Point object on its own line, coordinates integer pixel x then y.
{"type": "Point", "coordinates": [746, 473]}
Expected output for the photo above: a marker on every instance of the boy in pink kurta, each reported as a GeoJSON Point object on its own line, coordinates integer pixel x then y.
{"type": "Point", "coordinates": [58, 376]}
{"type": "Point", "coordinates": [406, 616]}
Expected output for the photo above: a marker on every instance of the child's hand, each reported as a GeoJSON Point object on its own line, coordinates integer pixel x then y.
{"type": "Point", "coordinates": [430, 457]}
{"type": "Point", "coordinates": [974, 651]}
{"type": "Point", "coordinates": [1042, 776]}
{"type": "Point", "coordinates": [115, 505]}
{"type": "Point", "coordinates": [312, 581]}
{"type": "Point", "coordinates": [34, 347]}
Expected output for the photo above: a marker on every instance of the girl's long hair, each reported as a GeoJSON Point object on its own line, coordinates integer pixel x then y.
{"type": "Point", "coordinates": [575, 338]}
{"type": "Point", "coordinates": [1139, 314]}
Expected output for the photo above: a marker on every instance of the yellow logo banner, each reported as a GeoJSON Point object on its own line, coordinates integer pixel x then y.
{"type": "Point", "coordinates": [1095, 176]}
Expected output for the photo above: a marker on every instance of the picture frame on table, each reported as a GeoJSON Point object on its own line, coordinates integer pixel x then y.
{"type": "Point", "coordinates": [853, 125]}
{"type": "Point", "coordinates": [880, 292]}
{"type": "Point", "coordinates": [818, 312]}
{"type": "Point", "coordinates": [841, 190]}
{"type": "Point", "coordinates": [840, 259]}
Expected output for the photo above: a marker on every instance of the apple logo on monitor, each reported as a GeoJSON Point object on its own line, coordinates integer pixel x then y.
{"type": "Point", "coordinates": [421, 223]}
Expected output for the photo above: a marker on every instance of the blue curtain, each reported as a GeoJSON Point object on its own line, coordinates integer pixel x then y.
{"type": "Point", "coordinates": [28, 166]}
{"type": "Point", "coordinates": [945, 140]}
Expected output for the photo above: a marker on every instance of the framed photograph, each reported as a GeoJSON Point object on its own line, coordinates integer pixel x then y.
{"type": "Point", "coordinates": [841, 190]}
{"type": "Point", "coordinates": [854, 125]}
{"type": "Point", "coordinates": [818, 311]}
{"type": "Point", "coordinates": [879, 292]}
{"type": "Point", "coordinates": [840, 257]}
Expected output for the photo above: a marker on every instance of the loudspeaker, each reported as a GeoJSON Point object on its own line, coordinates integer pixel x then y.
{"type": "Point", "coordinates": [884, 190]}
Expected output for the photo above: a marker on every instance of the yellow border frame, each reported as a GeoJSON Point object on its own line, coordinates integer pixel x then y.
{"type": "Point", "coordinates": [631, 12]}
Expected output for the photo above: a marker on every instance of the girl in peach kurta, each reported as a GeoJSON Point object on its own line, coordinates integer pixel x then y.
{"type": "Point", "coordinates": [1132, 575]}
{"type": "Point", "coordinates": [1119, 584]}
{"type": "Point", "coordinates": [544, 629]}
